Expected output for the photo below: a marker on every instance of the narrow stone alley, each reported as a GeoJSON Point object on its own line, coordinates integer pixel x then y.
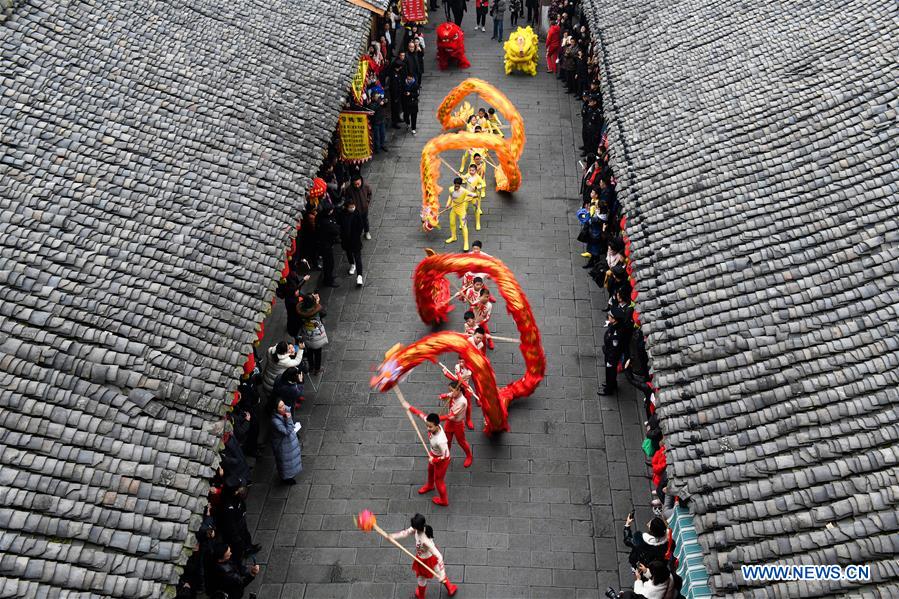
{"type": "Point", "coordinates": [539, 513]}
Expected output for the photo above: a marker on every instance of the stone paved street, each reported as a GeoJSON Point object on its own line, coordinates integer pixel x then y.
{"type": "Point", "coordinates": [540, 511]}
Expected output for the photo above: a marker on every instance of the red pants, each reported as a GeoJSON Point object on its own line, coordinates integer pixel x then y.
{"type": "Point", "coordinates": [436, 474]}
{"type": "Point", "coordinates": [456, 428]}
{"type": "Point", "coordinates": [467, 396]}
{"type": "Point", "coordinates": [487, 335]}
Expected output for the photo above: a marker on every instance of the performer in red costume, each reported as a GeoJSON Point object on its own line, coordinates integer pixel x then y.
{"type": "Point", "coordinates": [553, 43]}
{"type": "Point", "coordinates": [482, 311]}
{"type": "Point", "coordinates": [425, 550]}
{"type": "Point", "coordinates": [439, 458]}
{"type": "Point", "coordinates": [478, 339]}
{"type": "Point", "coordinates": [462, 373]}
{"type": "Point", "coordinates": [453, 424]}
{"type": "Point", "coordinates": [470, 291]}
{"type": "Point", "coordinates": [451, 46]}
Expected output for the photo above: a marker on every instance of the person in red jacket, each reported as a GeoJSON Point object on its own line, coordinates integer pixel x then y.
{"type": "Point", "coordinates": [454, 420]}
{"type": "Point", "coordinates": [481, 8]}
{"type": "Point", "coordinates": [553, 44]}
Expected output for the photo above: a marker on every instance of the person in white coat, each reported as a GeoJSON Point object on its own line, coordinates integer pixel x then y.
{"type": "Point", "coordinates": [653, 581]}
{"type": "Point", "coordinates": [280, 357]}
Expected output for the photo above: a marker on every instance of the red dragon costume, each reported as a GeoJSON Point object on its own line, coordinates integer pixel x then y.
{"type": "Point", "coordinates": [451, 46]}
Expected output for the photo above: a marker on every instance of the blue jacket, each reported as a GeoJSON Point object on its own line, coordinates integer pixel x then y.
{"type": "Point", "coordinates": [286, 447]}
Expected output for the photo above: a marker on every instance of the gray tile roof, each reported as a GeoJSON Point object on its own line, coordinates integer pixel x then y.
{"type": "Point", "coordinates": [153, 167]}
{"type": "Point", "coordinates": [755, 146]}
{"type": "Point", "coordinates": [382, 4]}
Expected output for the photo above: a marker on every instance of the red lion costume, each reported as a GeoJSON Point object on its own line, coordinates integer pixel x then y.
{"type": "Point", "coordinates": [451, 46]}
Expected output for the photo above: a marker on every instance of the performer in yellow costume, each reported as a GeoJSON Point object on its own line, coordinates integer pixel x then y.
{"type": "Point", "coordinates": [483, 120]}
{"type": "Point", "coordinates": [477, 186]}
{"type": "Point", "coordinates": [457, 203]}
{"type": "Point", "coordinates": [468, 156]}
{"type": "Point", "coordinates": [496, 125]}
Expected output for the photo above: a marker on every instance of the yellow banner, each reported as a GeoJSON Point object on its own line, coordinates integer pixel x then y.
{"type": "Point", "coordinates": [355, 136]}
{"type": "Point", "coordinates": [358, 85]}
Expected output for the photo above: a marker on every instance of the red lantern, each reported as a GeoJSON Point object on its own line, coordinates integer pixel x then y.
{"type": "Point", "coordinates": [249, 365]}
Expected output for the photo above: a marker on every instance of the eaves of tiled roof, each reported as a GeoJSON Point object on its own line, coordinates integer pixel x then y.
{"type": "Point", "coordinates": [155, 157]}
{"type": "Point", "coordinates": [755, 145]}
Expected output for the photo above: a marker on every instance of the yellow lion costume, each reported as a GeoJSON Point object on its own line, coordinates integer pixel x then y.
{"type": "Point", "coordinates": [521, 51]}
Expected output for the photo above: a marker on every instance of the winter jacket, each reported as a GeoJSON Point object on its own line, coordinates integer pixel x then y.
{"type": "Point", "coordinates": [645, 548]}
{"type": "Point", "coordinates": [288, 392]}
{"type": "Point", "coordinates": [351, 228]}
{"type": "Point", "coordinates": [361, 196]}
{"type": "Point", "coordinates": [286, 447]}
{"type": "Point", "coordinates": [229, 577]}
{"type": "Point", "coordinates": [650, 590]}
{"type": "Point", "coordinates": [276, 365]}
{"type": "Point", "coordinates": [234, 464]}
{"type": "Point", "coordinates": [498, 9]}
{"type": "Point", "coordinates": [411, 89]}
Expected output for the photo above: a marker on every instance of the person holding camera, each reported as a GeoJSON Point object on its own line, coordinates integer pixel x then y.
{"type": "Point", "coordinates": [654, 581]}
{"type": "Point", "coordinates": [646, 547]}
{"type": "Point", "coordinates": [280, 357]}
{"type": "Point", "coordinates": [289, 386]}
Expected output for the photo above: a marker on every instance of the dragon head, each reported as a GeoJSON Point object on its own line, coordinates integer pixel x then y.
{"type": "Point", "coordinates": [521, 45]}
{"type": "Point", "coordinates": [449, 34]}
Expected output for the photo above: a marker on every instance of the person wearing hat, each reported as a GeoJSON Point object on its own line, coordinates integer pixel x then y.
{"type": "Point", "coordinates": [591, 124]}
{"type": "Point", "coordinates": [617, 332]}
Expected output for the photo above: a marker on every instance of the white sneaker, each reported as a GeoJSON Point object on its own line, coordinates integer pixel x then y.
{"type": "Point", "coordinates": [352, 269]}
{"type": "Point", "coordinates": [359, 281]}
{"type": "Point", "coordinates": [368, 235]}
{"type": "Point", "coordinates": [413, 132]}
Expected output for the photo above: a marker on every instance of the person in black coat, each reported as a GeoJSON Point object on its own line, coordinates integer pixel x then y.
{"type": "Point", "coordinates": [458, 7]}
{"type": "Point", "coordinates": [231, 517]}
{"type": "Point", "coordinates": [327, 233]}
{"type": "Point", "coordinates": [618, 331]}
{"type": "Point", "coordinates": [228, 576]}
{"type": "Point", "coordinates": [289, 387]}
{"type": "Point", "coordinates": [533, 7]}
{"type": "Point", "coordinates": [235, 469]}
{"type": "Point", "coordinates": [414, 61]}
{"type": "Point", "coordinates": [411, 91]}
{"type": "Point", "coordinates": [646, 547]}
{"type": "Point", "coordinates": [396, 78]}
{"type": "Point", "coordinates": [351, 229]}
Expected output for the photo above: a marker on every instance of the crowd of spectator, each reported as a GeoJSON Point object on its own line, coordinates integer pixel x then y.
{"type": "Point", "coordinates": [223, 562]}
{"type": "Point", "coordinates": [455, 11]}
{"type": "Point", "coordinates": [574, 57]}
{"type": "Point", "coordinates": [397, 65]}
{"type": "Point", "coordinates": [275, 380]}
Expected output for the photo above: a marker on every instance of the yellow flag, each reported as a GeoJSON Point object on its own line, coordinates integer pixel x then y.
{"type": "Point", "coordinates": [354, 136]}
{"type": "Point", "coordinates": [358, 85]}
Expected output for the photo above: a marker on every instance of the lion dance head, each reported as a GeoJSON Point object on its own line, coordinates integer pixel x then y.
{"type": "Point", "coordinates": [521, 51]}
{"type": "Point", "coordinates": [451, 46]}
